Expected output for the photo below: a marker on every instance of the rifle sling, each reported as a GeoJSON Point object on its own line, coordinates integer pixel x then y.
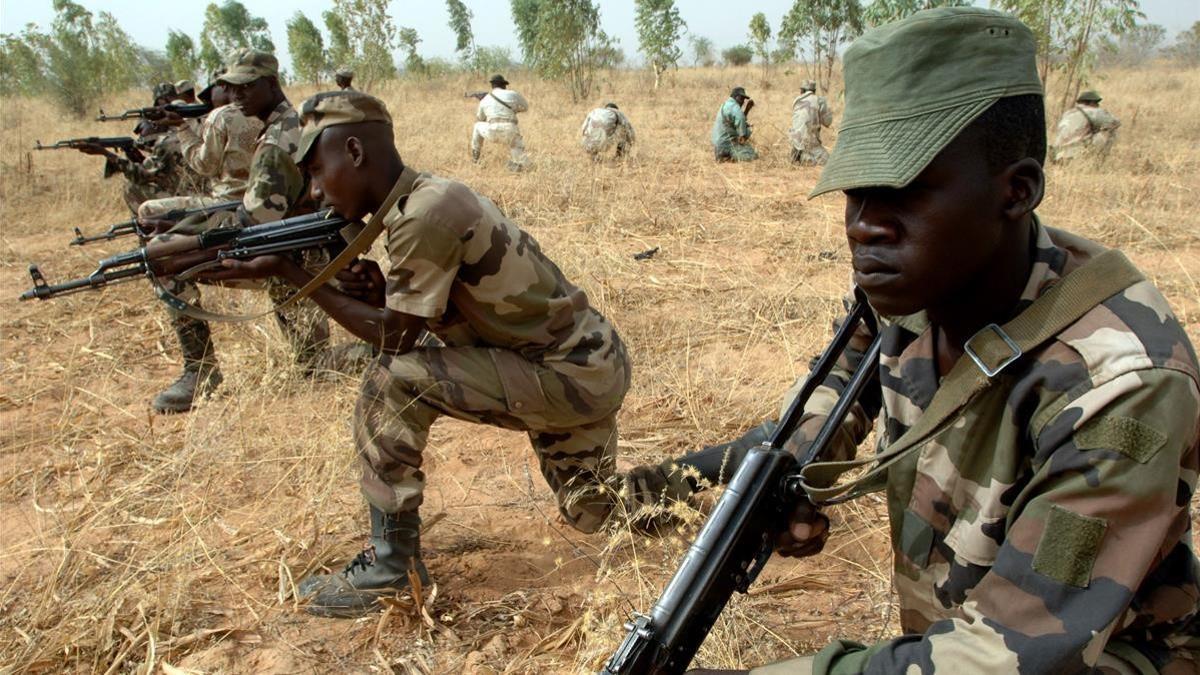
{"type": "Point", "coordinates": [1062, 305]}
{"type": "Point", "coordinates": [361, 242]}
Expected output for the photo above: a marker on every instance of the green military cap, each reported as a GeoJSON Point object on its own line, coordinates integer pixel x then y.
{"type": "Point", "coordinates": [913, 85]}
{"type": "Point", "coordinates": [498, 80]}
{"type": "Point", "coordinates": [808, 85]}
{"type": "Point", "coordinates": [331, 108]}
{"type": "Point", "coordinates": [184, 86]}
{"type": "Point", "coordinates": [737, 91]}
{"type": "Point", "coordinates": [1088, 96]}
{"type": "Point", "coordinates": [248, 65]}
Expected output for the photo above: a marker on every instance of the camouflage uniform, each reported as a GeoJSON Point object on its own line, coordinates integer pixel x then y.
{"type": "Point", "coordinates": [161, 174]}
{"type": "Point", "coordinates": [1085, 130]}
{"type": "Point", "coordinates": [221, 152]}
{"type": "Point", "coordinates": [604, 128]}
{"type": "Point", "coordinates": [1047, 527]}
{"type": "Point", "coordinates": [524, 351]}
{"type": "Point", "coordinates": [809, 113]}
{"type": "Point", "coordinates": [497, 122]}
{"type": "Point", "coordinates": [729, 125]}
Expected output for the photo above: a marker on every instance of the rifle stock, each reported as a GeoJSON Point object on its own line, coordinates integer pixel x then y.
{"type": "Point", "coordinates": [180, 255]}
{"type": "Point", "coordinates": [739, 536]}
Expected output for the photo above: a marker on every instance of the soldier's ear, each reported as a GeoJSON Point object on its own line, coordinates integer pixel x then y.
{"type": "Point", "coordinates": [1024, 184]}
{"type": "Point", "coordinates": [355, 151]}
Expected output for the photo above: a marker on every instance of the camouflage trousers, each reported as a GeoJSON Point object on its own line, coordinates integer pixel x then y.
{"type": "Point", "coordinates": [598, 144]}
{"type": "Point", "coordinates": [504, 133]}
{"type": "Point", "coordinates": [815, 155]}
{"type": "Point", "coordinates": [403, 395]}
{"type": "Point", "coordinates": [136, 194]}
{"type": "Point", "coordinates": [156, 208]}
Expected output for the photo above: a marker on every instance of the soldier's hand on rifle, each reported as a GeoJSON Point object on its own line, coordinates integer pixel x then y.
{"type": "Point", "coordinates": [806, 532]}
{"type": "Point", "coordinates": [363, 281]}
{"type": "Point", "coordinates": [261, 267]}
{"type": "Point", "coordinates": [169, 118]}
{"type": "Point", "coordinates": [155, 225]}
{"type": "Point", "coordinates": [95, 149]}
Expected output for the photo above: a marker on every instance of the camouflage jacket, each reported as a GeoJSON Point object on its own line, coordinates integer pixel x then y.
{"type": "Point", "coordinates": [603, 125]}
{"type": "Point", "coordinates": [729, 125]}
{"type": "Point", "coordinates": [481, 281]}
{"type": "Point", "coordinates": [275, 183]}
{"type": "Point", "coordinates": [1049, 521]}
{"type": "Point", "coordinates": [1083, 127]}
{"type": "Point", "coordinates": [222, 150]}
{"type": "Point", "coordinates": [163, 168]}
{"type": "Point", "coordinates": [809, 113]}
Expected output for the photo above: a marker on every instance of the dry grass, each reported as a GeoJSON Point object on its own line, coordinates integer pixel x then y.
{"type": "Point", "coordinates": [136, 543]}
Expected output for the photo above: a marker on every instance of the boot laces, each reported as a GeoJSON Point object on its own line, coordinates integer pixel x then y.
{"type": "Point", "coordinates": [363, 560]}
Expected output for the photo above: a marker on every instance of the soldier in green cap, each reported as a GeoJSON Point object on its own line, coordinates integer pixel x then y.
{"type": "Point", "coordinates": [523, 347]}
{"type": "Point", "coordinates": [731, 130]}
{"type": "Point", "coordinates": [272, 190]}
{"type": "Point", "coordinates": [1085, 130]}
{"type": "Point", "coordinates": [1038, 404]}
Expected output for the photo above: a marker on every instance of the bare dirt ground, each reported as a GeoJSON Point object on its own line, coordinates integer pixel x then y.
{"type": "Point", "coordinates": [139, 543]}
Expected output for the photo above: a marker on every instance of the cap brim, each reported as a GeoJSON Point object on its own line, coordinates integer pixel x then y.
{"type": "Point", "coordinates": [238, 78]}
{"type": "Point", "coordinates": [891, 153]}
{"type": "Point", "coordinates": [308, 139]}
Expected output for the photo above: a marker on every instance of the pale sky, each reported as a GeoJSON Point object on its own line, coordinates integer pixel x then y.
{"type": "Point", "coordinates": [721, 21]}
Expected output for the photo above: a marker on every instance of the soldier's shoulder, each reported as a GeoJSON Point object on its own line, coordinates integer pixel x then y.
{"type": "Point", "coordinates": [443, 201]}
{"type": "Point", "coordinates": [284, 131]}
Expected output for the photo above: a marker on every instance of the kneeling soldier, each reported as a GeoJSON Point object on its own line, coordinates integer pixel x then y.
{"type": "Point", "coordinates": [524, 348]}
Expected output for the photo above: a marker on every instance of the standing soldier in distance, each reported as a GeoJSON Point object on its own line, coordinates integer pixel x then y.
{"type": "Point", "coordinates": [524, 349]}
{"type": "Point", "coordinates": [731, 130]}
{"type": "Point", "coordinates": [604, 128]}
{"type": "Point", "coordinates": [496, 121]}
{"type": "Point", "coordinates": [1085, 130]}
{"type": "Point", "coordinates": [809, 113]}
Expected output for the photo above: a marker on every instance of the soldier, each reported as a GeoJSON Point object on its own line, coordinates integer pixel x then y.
{"type": "Point", "coordinates": [185, 90]}
{"type": "Point", "coordinates": [524, 349]}
{"type": "Point", "coordinates": [344, 77]}
{"type": "Point", "coordinates": [164, 93]}
{"type": "Point", "coordinates": [496, 120]}
{"type": "Point", "coordinates": [1040, 433]}
{"type": "Point", "coordinates": [731, 131]}
{"type": "Point", "coordinates": [1086, 130]}
{"type": "Point", "coordinates": [604, 128]}
{"type": "Point", "coordinates": [274, 187]}
{"type": "Point", "coordinates": [809, 113]}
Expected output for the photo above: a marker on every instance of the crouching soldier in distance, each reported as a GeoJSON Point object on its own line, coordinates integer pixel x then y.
{"type": "Point", "coordinates": [524, 349]}
{"type": "Point", "coordinates": [605, 128]}
{"type": "Point", "coordinates": [1038, 403]}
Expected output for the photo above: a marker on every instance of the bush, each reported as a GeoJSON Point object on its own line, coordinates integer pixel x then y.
{"type": "Point", "coordinates": [738, 55]}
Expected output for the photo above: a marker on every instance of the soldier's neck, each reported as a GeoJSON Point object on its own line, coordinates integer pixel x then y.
{"type": "Point", "coordinates": [382, 180]}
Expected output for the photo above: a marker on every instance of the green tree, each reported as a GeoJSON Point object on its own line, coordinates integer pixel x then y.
{"type": "Point", "coordinates": [309, 61]}
{"type": "Point", "coordinates": [659, 28]}
{"type": "Point", "coordinates": [227, 28]}
{"type": "Point", "coordinates": [702, 51]}
{"type": "Point", "coordinates": [737, 55]}
{"type": "Point", "coordinates": [1186, 49]}
{"type": "Point", "coordinates": [181, 55]}
{"type": "Point", "coordinates": [341, 54]}
{"type": "Point", "coordinates": [371, 35]}
{"type": "Point", "coordinates": [1067, 32]}
{"type": "Point", "coordinates": [1133, 48]}
{"type": "Point", "coordinates": [413, 63]}
{"type": "Point", "coordinates": [760, 37]}
{"type": "Point", "coordinates": [880, 12]}
{"type": "Point", "coordinates": [562, 39]}
{"type": "Point", "coordinates": [21, 65]}
{"type": "Point", "coordinates": [818, 29]}
{"type": "Point", "coordinates": [460, 23]}
{"type": "Point", "coordinates": [491, 59]}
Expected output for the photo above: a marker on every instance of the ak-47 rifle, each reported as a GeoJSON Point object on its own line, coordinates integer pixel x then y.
{"type": "Point", "coordinates": [128, 227]}
{"type": "Point", "coordinates": [186, 256]}
{"type": "Point", "coordinates": [155, 112]}
{"type": "Point", "coordinates": [125, 143]}
{"type": "Point", "coordinates": [477, 95]}
{"type": "Point", "coordinates": [739, 536]}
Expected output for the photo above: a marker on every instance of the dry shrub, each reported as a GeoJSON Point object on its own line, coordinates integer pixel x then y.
{"type": "Point", "coordinates": [135, 543]}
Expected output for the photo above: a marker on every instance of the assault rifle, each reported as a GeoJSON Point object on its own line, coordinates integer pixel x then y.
{"type": "Point", "coordinates": [739, 536]}
{"type": "Point", "coordinates": [186, 256]}
{"type": "Point", "coordinates": [127, 227]}
{"type": "Point", "coordinates": [156, 112]}
{"type": "Point", "coordinates": [125, 143]}
{"type": "Point", "coordinates": [477, 95]}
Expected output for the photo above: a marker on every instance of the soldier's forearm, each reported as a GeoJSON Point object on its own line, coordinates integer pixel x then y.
{"type": "Point", "coordinates": [390, 331]}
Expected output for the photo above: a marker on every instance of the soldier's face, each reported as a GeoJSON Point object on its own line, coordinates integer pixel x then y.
{"type": "Point", "coordinates": [254, 98]}
{"type": "Point", "coordinates": [332, 168]}
{"type": "Point", "coordinates": [922, 246]}
{"type": "Point", "coordinates": [220, 96]}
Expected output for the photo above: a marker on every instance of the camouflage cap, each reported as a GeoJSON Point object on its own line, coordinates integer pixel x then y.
{"type": "Point", "coordinates": [332, 108]}
{"type": "Point", "coordinates": [1089, 96]}
{"type": "Point", "coordinates": [184, 86]}
{"type": "Point", "coordinates": [164, 90]}
{"type": "Point", "coordinates": [913, 85]}
{"type": "Point", "coordinates": [344, 71]}
{"type": "Point", "coordinates": [248, 65]}
{"type": "Point", "coordinates": [808, 85]}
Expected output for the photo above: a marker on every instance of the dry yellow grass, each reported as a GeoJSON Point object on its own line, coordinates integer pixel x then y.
{"type": "Point", "coordinates": [136, 543]}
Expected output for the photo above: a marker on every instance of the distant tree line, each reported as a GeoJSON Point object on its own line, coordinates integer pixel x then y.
{"type": "Point", "coordinates": [82, 55]}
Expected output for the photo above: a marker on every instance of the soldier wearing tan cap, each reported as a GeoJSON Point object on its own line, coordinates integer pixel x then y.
{"type": "Point", "coordinates": [524, 349]}
{"type": "Point", "coordinates": [185, 90]}
{"type": "Point", "coordinates": [344, 78]}
{"type": "Point", "coordinates": [809, 113]}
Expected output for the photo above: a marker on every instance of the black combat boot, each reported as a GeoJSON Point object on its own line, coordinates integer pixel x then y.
{"type": "Point", "coordinates": [200, 374]}
{"type": "Point", "coordinates": [380, 569]}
